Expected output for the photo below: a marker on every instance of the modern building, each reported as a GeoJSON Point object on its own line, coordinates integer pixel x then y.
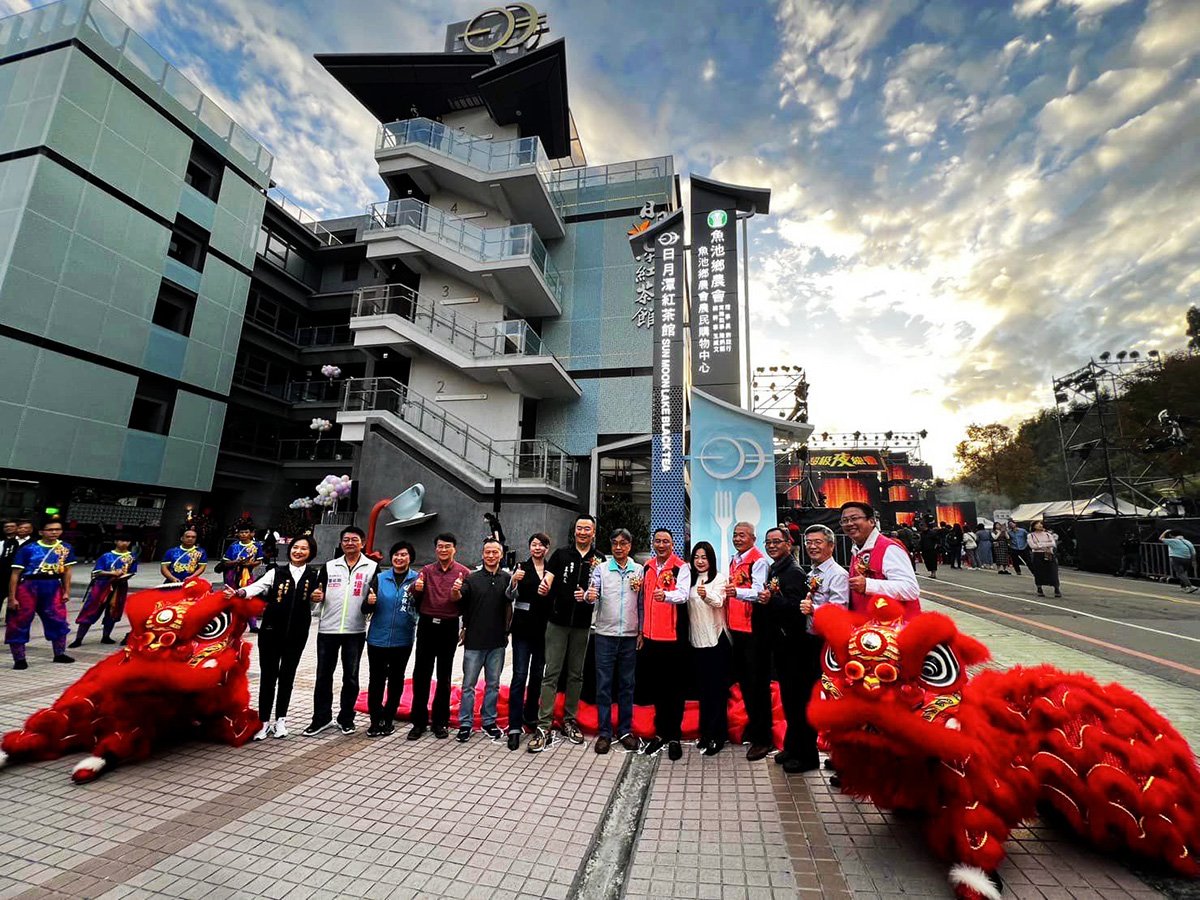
{"type": "Point", "coordinates": [166, 317]}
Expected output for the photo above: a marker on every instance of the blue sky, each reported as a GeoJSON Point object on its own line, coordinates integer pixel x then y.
{"type": "Point", "coordinates": [969, 196]}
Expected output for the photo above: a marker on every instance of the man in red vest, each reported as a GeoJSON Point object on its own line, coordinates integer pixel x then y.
{"type": "Point", "coordinates": [880, 565]}
{"type": "Point", "coordinates": [665, 586]}
{"type": "Point", "coordinates": [751, 641]}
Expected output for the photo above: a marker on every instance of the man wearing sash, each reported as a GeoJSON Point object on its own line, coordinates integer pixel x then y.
{"type": "Point", "coordinates": [747, 577]}
{"type": "Point", "coordinates": [880, 566]}
{"type": "Point", "coordinates": [666, 582]}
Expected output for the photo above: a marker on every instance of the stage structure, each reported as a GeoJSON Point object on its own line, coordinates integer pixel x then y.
{"type": "Point", "coordinates": [780, 392]}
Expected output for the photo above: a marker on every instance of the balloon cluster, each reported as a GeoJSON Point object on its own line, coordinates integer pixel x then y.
{"type": "Point", "coordinates": [320, 425]}
{"type": "Point", "coordinates": [331, 372]}
{"type": "Point", "coordinates": [331, 489]}
{"type": "Point", "coordinates": [301, 503]}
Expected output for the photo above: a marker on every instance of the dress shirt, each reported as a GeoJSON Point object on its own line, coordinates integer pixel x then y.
{"type": "Point", "coordinates": [834, 587]}
{"type": "Point", "coordinates": [267, 582]}
{"type": "Point", "coordinates": [758, 577]}
{"type": "Point", "coordinates": [1019, 538]}
{"type": "Point", "coordinates": [899, 580]}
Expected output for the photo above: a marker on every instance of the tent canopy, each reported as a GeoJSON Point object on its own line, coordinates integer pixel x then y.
{"type": "Point", "coordinates": [1101, 505]}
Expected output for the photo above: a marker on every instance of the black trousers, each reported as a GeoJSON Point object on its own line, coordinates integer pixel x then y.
{"type": "Point", "coordinates": [665, 663]}
{"type": "Point", "coordinates": [752, 668]}
{"type": "Point", "coordinates": [930, 558]}
{"type": "Point", "coordinates": [387, 669]}
{"type": "Point", "coordinates": [436, 643]}
{"type": "Point", "coordinates": [329, 647]}
{"type": "Point", "coordinates": [1021, 556]}
{"type": "Point", "coordinates": [278, 658]}
{"type": "Point", "coordinates": [798, 664]}
{"type": "Point", "coordinates": [712, 675]}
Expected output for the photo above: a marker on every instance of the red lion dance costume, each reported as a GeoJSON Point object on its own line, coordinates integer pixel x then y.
{"type": "Point", "coordinates": [907, 729]}
{"type": "Point", "coordinates": [182, 674]}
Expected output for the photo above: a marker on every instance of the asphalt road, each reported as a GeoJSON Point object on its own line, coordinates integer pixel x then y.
{"type": "Point", "coordinates": [1145, 625]}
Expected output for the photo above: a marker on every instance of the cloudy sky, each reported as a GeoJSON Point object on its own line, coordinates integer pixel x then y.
{"type": "Point", "coordinates": [969, 196]}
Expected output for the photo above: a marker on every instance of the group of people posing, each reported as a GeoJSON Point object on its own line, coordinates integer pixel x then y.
{"type": "Point", "coordinates": [695, 627]}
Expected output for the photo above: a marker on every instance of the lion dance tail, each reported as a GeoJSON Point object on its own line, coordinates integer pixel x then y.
{"type": "Point", "coordinates": [1115, 769]}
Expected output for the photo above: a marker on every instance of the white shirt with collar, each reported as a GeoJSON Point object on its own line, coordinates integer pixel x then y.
{"type": "Point", "coordinates": [267, 582]}
{"type": "Point", "coordinates": [758, 576]}
{"type": "Point", "coordinates": [834, 587]}
{"type": "Point", "coordinates": [899, 580]}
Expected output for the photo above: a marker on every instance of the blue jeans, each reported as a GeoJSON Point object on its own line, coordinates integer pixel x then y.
{"type": "Point", "coordinates": [490, 662]}
{"type": "Point", "coordinates": [529, 661]}
{"type": "Point", "coordinates": [616, 659]}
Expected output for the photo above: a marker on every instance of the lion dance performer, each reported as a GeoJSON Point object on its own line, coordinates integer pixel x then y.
{"type": "Point", "coordinates": [107, 591]}
{"type": "Point", "coordinates": [241, 558]}
{"type": "Point", "coordinates": [183, 674]}
{"type": "Point", "coordinates": [40, 583]}
{"type": "Point", "coordinates": [908, 729]}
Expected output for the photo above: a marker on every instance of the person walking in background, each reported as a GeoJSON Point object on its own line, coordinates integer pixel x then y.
{"type": "Point", "coordinates": [969, 545]}
{"type": "Point", "coordinates": [954, 546]}
{"type": "Point", "coordinates": [1018, 546]}
{"type": "Point", "coordinates": [1042, 562]}
{"type": "Point", "coordinates": [665, 587]}
{"type": "Point", "coordinates": [39, 584]}
{"type": "Point", "coordinates": [1181, 553]}
{"type": "Point", "coordinates": [1131, 546]}
{"type": "Point", "coordinates": [747, 576]}
{"type": "Point", "coordinates": [529, 591]}
{"type": "Point", "coordinates": [437, 636]}
{"type": "Point", "coordinates": [1000, 549]}
{"type": "Point", "coordinates": [567, 631]}
{"type": "Point", "coordinates": [983, 552]}
{"type": "Point", "coordinates": [615, 590]}
{"type": "Point", "coordinates": [486, 613]}
{"type": "Point", "coordinates": [290, 590]}
{"type": "Point", "coordinates": [341, 632]}
{"type": "Point", "coordinates": [9, 544]}
{"type": "Point", "coordinates": [930, 548]}
{"type": "Point", "coordinates": [106, 593]}
{"type": "Point", "coordinates": [710, 646]}
{"type": "Point", "coordinates": [182, 562]}
{"type": "Point", "coordinates": [391, 605]}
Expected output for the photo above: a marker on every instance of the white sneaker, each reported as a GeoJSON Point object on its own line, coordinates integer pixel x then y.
{"type": "Point", "coordinates": [266, 731]}
{"type": "Point", "coordinates": [280, 728]}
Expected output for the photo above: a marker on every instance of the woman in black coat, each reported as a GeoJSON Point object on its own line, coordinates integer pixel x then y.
{"type": "Point", "coordinates": [930, 544]}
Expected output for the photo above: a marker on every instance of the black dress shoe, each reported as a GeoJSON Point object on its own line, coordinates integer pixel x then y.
{"type": "Point", "coordinates": [20, 664]}
{"type": "Point", "coordinates": [74, 644]}
{"type": "Point", "coordinates": [828, 764]}
{"type": "Point", "coordinates": [63, 658]}
{"type": "Point", "coordinates": [794, 765]}
{"type": "Point", "coordinates": [514, 740]}
{"type": "Point", "coordinates": [757, 752]}
{"type": "Point", "coordinates": [415, 732]}
{"type": "Point", "coordinates": [782, 757]}
{"type": "Point", "coordinates": [441, 732]}
{"type": "Point", "coordinates": [714, 748]}
{"type": "Point", "coordinates": [674, 751]}
{"type": "Point", "coordinates": [835, 780]}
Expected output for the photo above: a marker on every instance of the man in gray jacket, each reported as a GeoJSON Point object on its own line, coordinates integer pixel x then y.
{"type": "Point", "coordinates": [341, 631]}
{"type": "Point", "coordinates": [614, 589]}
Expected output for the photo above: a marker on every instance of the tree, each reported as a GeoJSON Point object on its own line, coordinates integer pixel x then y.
{"type": "Point", "coordinates": [993, 459]}
{"type": "Point", "coordinates": [1193, 329]}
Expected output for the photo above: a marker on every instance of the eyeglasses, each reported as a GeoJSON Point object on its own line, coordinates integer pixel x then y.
{"type": "Point", "coordinates": [848, 519]}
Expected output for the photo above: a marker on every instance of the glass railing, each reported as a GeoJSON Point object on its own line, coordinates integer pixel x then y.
{"type": "Point", "coordinates": [483, 244]}
{"type": "Point", "coordinates": [323, 391]}
{"type": "Point", "coordinates": [306, 219]}
{"type": "Point", "coordinates": [104, 31]}
{"type": "Point", "coordinates": [323, 336]}
{"type": "Point", "coordinates": [585, 189]}
{"type": "Point", "coordinates": [304, 449]}
{"type": "Point", "coordinates": [538, 460]}
{"type": "Point", "coordinates": [479, 340]}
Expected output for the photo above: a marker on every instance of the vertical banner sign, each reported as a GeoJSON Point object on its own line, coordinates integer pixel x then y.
{"type": "Point", "coordinates": [661, 246]}
{"type": "Point", "coordinates": [732, 473]}
{"type": "Point", "coordinates": [716, 347]}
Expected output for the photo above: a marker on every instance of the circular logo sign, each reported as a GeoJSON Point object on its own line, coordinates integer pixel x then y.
{"type": "Point", "coordinates": [502, 27]}
{"type": "Point", "coordinates": [718, 218]}
{"type": "Point", "coordinates": [724, 457]}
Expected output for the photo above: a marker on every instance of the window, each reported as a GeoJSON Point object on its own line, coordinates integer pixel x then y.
{"type": "Point", "coordinates": [174, 309]}
{"type": "Point", "coordinates": [153, 405]}
{"type": "Point", "coordinates": [189, 243]}
{"type": "Point", "coordinates": [350, 270]}
{"type": "Point", "coordinates": [279, 251]}
{"type": "Point", "coordinates": [204, 170]}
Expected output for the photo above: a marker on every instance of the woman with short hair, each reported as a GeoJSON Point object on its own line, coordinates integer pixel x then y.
{"type": "Point", "coordinates": [390, 636]}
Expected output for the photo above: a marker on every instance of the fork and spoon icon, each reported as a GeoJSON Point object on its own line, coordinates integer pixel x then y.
{"type": "Point", "coordinates": [726, 513]}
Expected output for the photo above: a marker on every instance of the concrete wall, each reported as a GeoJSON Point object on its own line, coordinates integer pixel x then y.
{"type": "Point", "coordinates": [386, 468]}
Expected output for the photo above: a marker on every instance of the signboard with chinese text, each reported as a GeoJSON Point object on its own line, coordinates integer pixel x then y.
{"type": "Point", "coordinates": [846, 461]}
{"type": "Point", "coordinates": [659, 248]}
{"type": "Point", "coordinates": [716, 332]}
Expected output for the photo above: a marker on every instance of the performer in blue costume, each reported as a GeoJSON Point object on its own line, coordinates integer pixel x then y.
{"type": "Point", "coordinates": [240, 559]}
{"type": "Point", "coordinates": [40, 583]}
{"type": "Point", "coordinates": [107, 591]}
{"type": "Point", "coordinates": [182, 562]}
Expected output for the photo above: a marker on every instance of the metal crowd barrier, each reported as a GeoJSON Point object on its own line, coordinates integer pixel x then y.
{"type": "Point", "coordinates": [1154, 561]}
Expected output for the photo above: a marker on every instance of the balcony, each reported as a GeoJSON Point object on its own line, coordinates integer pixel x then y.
{"type": "Point", "coordinates": [306, 451]}
{"type": "Point", "coordinates": [509, 262]}
{"type": "Point", "coordinates": [323, 336]}
{"type": "Point", "coordinates": [524, 466]}
{"type": "Point", "coordinates": [324, 392]}
{"type": "Point", "coordinates": [509, 352]}
{"type": "Point", "coordinates": [512, 176]}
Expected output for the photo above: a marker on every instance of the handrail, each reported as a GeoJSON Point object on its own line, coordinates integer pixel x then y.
{"type": "Point", "coordinates": [301, 449]}
{"type": "Point", "coordinates": [303, 217]}
{"type": "Point", "coordinates": [479, 340]}
{"type": "Point", "coordinates": [496, 244]}
{"type": "Point", "coordinates": [313, 391]}
{"type": "Point", "coordinates": [323, 335]}
{"type": "Point", "coordinates": [537, 460]}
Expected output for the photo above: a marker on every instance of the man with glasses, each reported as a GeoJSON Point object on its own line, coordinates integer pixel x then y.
{"type": "Point", "coordinates": [747, 576]}
{"type": "Point", "coordinates": [341, 631]}
{"type": "Point", "coordinates": [880, 566]}
{"type": "Point", "coordinates": [790, 647]}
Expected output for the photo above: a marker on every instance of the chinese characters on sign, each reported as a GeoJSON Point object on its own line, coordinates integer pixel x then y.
{"type": "Point", "coordinates": [643, 274]}
{"type": "Point", "coordinates": [716, 349]}
{"type": "Point", "coordinates": [848, 461]}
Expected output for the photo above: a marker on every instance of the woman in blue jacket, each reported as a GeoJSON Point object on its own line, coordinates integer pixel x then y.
{"type": "Point", "coordinates": [393, 613]}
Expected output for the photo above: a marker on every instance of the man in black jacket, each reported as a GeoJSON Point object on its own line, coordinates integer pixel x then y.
{"type": "Point", "coordinates": [793, 650]}
{"type": "Point", "coordinates": [486, 613]}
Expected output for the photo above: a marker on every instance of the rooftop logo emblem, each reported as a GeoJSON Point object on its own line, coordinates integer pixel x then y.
{"type": "Point", "coordinates": [511, 27]}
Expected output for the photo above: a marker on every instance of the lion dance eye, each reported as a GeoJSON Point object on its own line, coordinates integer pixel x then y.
{"type": "Point", "coordinates": [940, 668]}
{"type": "Point", "coordinates": [886, 673]}
{"type": "Point", "coordinates": [855, 670]}
{"type": "Point", "coordinates": [831, 662]}
{"type": "Point", "coordinates": [216, 626]}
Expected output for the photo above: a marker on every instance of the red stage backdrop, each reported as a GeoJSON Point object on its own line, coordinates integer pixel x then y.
{"type": "Point", "coordinates": [842, 489]}
{"type": "Point", "coordinates": [951, 514]}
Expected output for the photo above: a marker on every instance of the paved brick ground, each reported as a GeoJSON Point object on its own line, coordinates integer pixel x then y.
{"type": "Point", "coordinates": [339, 816]}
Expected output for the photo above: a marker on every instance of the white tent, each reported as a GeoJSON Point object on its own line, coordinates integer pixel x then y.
{"type": "Point", "coordinates": [1101, 505]}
